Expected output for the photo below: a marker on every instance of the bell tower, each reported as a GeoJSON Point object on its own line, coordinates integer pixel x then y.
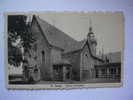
{"type": "Point", "coordinates": [91, 39]}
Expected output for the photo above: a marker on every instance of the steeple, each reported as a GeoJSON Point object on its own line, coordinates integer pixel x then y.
{"type": "Point", "coordinates": [91, 38]}
{"type": "Point", "coordinates": [90, 33]}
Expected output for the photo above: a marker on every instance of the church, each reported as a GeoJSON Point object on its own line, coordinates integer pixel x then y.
{"type": "Point", "coordinates": [59, 57]}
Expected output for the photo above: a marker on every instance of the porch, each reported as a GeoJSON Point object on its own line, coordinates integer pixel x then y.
{"type": "Point", "coordinates": [62, 71]}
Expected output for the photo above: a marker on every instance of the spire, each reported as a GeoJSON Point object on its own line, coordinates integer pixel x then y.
{"type": "Point", "coordinates": [90, 25]}
{"type": "Point", "coordinates": [90, 28]}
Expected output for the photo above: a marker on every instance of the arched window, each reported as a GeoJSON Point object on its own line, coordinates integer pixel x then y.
{"type": "Point", "coordinates": [43, 56]}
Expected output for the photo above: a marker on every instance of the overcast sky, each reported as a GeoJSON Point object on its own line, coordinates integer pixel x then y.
{"type": "Point", "coordinates": [108, 27]}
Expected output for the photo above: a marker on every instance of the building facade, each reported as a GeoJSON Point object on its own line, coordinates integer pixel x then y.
{"type": "Point", "coordinates": [59, 57]}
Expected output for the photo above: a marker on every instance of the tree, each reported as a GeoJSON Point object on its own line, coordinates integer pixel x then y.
{"type": "Point", "coordinates": [19, 36]}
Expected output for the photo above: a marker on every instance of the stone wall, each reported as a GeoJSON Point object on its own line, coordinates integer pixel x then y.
{"type": "Point", "coordinates": [86, 65]}
{"type": "Point", "coordinates": [55, 55]}
{"type": "Point", "coordinates": [43, 52]}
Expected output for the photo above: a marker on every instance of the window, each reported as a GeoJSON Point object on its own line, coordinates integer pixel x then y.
{"type": "Point", "coordinates": [43, 56]}
{"type": "Point", "coordinates": [42, 52]}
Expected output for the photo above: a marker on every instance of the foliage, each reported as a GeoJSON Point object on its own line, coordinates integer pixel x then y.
{"type": "Point", "coordinates": [19, 36]}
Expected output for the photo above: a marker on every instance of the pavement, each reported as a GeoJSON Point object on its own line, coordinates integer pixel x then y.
{"type": "Point", "coordinates": [20, 81]}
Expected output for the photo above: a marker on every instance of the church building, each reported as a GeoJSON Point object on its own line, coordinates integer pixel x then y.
{"type": "Point", "coordinates": [59, 57]}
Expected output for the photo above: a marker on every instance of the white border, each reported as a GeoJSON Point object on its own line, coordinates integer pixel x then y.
{"type": "Point", "coordinates": [58, 86]}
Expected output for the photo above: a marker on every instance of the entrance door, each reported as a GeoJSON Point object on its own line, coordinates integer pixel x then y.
{"type": "Point", "coordinates": [57, 71]}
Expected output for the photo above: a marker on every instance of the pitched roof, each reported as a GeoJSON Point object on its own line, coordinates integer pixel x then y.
{"type": "Point", "coordinates": [55, 36]}
{"type": "Point", "coordinates": [59, 39]}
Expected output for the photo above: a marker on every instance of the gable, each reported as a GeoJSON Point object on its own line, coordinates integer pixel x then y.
{"type": "Point", "coordinates": [85, 51]}
{"type": "Point", "coordinates": [41, 42]}
{"type": "Point", "coordinates": [35, 29]}
{"type": "Point", "coordinates": [96, 58]}
{"type": "Point", "coordinates": [87, 61]}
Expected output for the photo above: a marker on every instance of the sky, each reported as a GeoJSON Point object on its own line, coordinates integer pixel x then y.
{"type": "Point", "coordinates": [108, 27]}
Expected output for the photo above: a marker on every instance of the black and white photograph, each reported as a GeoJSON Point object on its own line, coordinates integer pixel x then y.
{"type": "Point", "coordinates": [64, 50]}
